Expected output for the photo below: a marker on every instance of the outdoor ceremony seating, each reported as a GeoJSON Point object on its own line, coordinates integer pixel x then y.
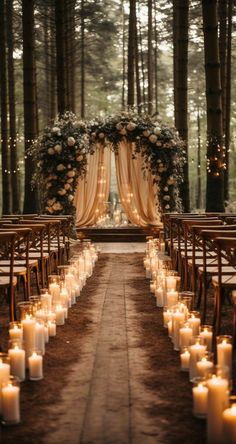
{"type": "Point", "coordinates": [7, 279]}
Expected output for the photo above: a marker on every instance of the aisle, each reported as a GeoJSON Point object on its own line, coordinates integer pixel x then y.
{"type": "Point", "coordinates": [111, 376]}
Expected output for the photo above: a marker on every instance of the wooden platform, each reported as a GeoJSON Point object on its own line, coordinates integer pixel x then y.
{"type": "Point", "coordinates": [119, 234]}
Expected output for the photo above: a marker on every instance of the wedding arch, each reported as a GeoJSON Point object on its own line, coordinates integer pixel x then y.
{"type": "Point", "coordinates": [62, 153]}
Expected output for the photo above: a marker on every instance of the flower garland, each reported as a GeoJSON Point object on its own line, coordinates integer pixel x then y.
{"type": "Point", "coordinates": [62, 150]}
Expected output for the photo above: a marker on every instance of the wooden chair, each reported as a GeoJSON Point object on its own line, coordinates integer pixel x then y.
{"type": "Point", "coordinates": [7, 280]}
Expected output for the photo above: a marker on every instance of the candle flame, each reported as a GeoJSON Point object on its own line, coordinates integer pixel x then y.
{"type": "Point", "coordinates": [224, 341]}
{"type": "Point", "coordinates": [34, 354]}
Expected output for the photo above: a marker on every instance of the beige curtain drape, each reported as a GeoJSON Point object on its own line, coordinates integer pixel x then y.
{"type": "Point", "coordinates": [93, 189]}
{"type": "Point", "coordinates": [137, 192]}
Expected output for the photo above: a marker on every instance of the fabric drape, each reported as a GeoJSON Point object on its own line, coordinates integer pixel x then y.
{"type": "Point", "coordinates": [137, 192]}
{"type": "Point", "coordinates": [93, 189]}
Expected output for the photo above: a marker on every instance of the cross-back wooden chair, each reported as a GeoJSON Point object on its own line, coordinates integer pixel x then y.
{"type": "Point", "coordinates": [7, 280]}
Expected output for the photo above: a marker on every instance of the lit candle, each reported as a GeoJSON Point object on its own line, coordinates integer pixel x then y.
{"type": "Point", "coordinates": [224, 352]}
{"type": "Point", "coordinates": [217, 403]}
{"type": "Point", "coordinates": [200, 399]}
{"type": "Point", "coordinates": [152, 286]}
{"type": "Point", "coordinates": [46, 333]}
{"type": "Point", "coordinates": [60, 315]}
{"type": "Point", "coordinates": [16, 332]}
{"type": "Point", "coordinates": [54, 290]}
{"type": "Point", "coordinates": [10, 404]}
{"type": "Point", "coordinates": [194, 321]}
{"type": "Point", "coordinates": [159, 296]}
{"type": "Point", "coordinates": [52, 329]}
{"type": "Point", "coordinates": [167, 315]}
{"type": "Point", "coordinates": [72, 295]}
{"type": "Point", "coordinates": [46, 301]}
{"type": "Point", "coordinates": [207, 334]}
{"type": "Point", "coordinates": [185, 335]}
{"type": "Point", "coordinates": [203, 366]}
{"type": "Point", "coordinates": [29, 330]}
{"type": "Point", "coordinates": [229, 425]}
{"type": "Point", "coordinates": [170, 283]}
{"type": "Point", "coordinates": [184, 360]}
{"type": "Point", "coordinates": [41, 314]}
{"type": "Point", "coordinates": [40, 337]}
{"type": "Point", "coordinates": [51, 316]}
{"type": "Point", "coordinates": [171, 298]}
{"type": "Point", "coordinates": [169, 326]}
{"type": "Point", "coordinates": [17, 362]}
{"type": "Point", "coordinates": [177, 318]}
{"type": "Point", "coordinates": [197, 351]}
{"type": "Point", "coordinates": [35, 366]}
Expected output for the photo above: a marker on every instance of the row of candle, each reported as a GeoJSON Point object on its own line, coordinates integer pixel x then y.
{"type": "Point", "coordinates": [39, 318]}
{"type": "Point", "coordinates": [212, 383]}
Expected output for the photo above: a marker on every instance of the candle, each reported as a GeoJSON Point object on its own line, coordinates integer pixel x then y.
{"type": "Point", "coordinates": [60, 315]}
{"type": "Point", "coordinates": [229, 425]}
{"type": "Point", "coordinates": [194, 322]}
{"type": "Point", "coordinates": [200, 400]}
{"type": "Point", "coordinates": [35, 366]}
{"type": "Point", "coordinates": [40, 337]}
{"type": "Point", "coordinates": [224, 352]}
{"type": "Point", "coordinates": [171, 298]}
{"type": "Point", "coordinates": [51, 316]}
{"type": "Point", "coordinates": [177, 318]}
{"type": "Point", "coordinates": [152, 286]}
{"type": "Point", "coordinates": [28, 325]}
{"type": "Point", "coordinates": [170, 283]}
{"type": "Point", "coordinates": [54, 290]}
{"type": "Point", "coordinates": [72, 294]}
{"type": "Point", "coordinates": [41, 314]}
{"type": "Point", "coordinates": [167, 316]}
{"type": "Point", "coordinates": [15, 331]}
{"type": "Point", "coordinates": [17, 362]}
{"type": "Point", "coordinates": [46, 333]}
{"type": "Point", "coordinates": [203, 366]}
{"type": "Point", "coordinates": [185, 335]}
{"type": "Point", "coordinates": [207, 334]}
{"type": "Point", "coordinates": [52, 328]}
{"type": "Point", "coordinates": [46, 301]}
{"type": "Point", "coordinates": [169, 326]}
{"type": "Point", "coordinates": [197, 351]}
{"type": "Point", "coordinates": [217, 403]}
{"type": "Point", "coordinates": [159, 296]}
{"type": "Point", "coordinates": [184, 359]}
{"type": "Point", "coordinates": [10, 404]}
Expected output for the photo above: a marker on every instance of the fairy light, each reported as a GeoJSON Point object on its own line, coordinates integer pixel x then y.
{"type": "Point", "coordinates": [215, 158]}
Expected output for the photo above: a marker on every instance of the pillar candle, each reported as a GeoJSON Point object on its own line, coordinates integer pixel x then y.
{"type": "Point", "coordinates": [200, 400]}
{"type": "Point", "coordinates": [10, 404]}
{"type": "Point", "coordinates": [171, 298]}
{"type": "Point", "coordinates": [29, 332]}
{"type": "Point", "coordinates": [194, 322]}
{"type": "Point", "coordinates": [185, 335]}
{"type": "Point", "coordinates": [46, 301]}
{"type": "Point", "coordinates": [41, 314]}
{"type": "Point", "coordinates": [169, 326]}
{"type": "Point", "coordinates": [152, 287]}
{"type": "Point", "coordinates": [35, 366]}
{"type": "Point", "coordinates": [52, 328]}
{"type": "Point", "coordinates": [196, 352]}
{"type": "Point", "coordinates": [17, 362]}
{"type": "Point", "coordinates": [40, 337]}
{"type": "Point", "coordinates": [170, 283]}
{"type": "Point", "coordinates": [54, 290]}
{"type": "Point", "coordinates": [46, 333]}
{"type": "Point", "coordinates": [203, 366]}
{"type": "Point", "coordinates": [167, 315]}
{"type": "Point", "coordinates": [16, 332]}
{"type": "Point", "coordinates": [177, 318]}
{"type": "Point", "coordinates": [207, 335]}
{"type": "Point", "coordinates": [60, 315]}
{"type": "Point", "coordinates": [229, 425]}
{"type": "Point", "coordinates": [224, 354]}
{"type": "Point", "coordinates": [217, 403]}
{"type": "Point", "coordinates": [159, 296]}
{"type": "Point", "coordinates": [184, 359]}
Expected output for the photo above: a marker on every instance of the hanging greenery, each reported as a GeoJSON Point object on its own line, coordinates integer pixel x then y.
{"type": "Point", "coordinates": [61, 156]}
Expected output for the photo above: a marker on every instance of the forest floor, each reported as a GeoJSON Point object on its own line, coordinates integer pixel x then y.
{"type": "Point", "coordinates": [110, 375]}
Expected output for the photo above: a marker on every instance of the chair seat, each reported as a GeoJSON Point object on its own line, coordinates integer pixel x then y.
{"type": "Point", "coordinates": [5, 281]}
{"type": "Point", "coordinates": [226, 280]}
{"type": "Point", "coordinates": [18, 271]}
{"type": "Point", "coordinates": [19, 263]}
{"type": "Point", "coordinates": [37, 255]}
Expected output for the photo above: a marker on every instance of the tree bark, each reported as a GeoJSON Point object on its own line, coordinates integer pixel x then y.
{"type": "Point", "coordinates": [53, 76]}
{"type": "Point", "coordinates": [199, 179]}
{"type": "Point", "coordinates": [82, 82]}
{"type": "Point", "coordinates": [140, 42]}
{"type": "Point", "coordinates": [123, 56]}
{"type": "Point", "coordinates": [150, 59]}
{"type": "Point", "coordinates": [175, 53]}
{"type": "Point", "coordinates": [222, 49]}
{"type": "Point", "coordinates": [131, 53]}
{"type": "Point", "coordinates": [30, 125]}
{"type": "Point", "coordinates": [12, 111]}
{"type": "Point", "coordinates": [156, 58]}
{"type": "Point", "coordinates": [137, 71]}
{"type": "Point", "coordinates": [215, 171]}
{"type": "Point", "coordinates": [228, 102]}
{"type": "Point", "coordinates": [60, 55]}
{"type": "Point", "coordinates": [4, 125]}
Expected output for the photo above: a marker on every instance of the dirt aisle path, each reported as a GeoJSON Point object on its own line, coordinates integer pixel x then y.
{"type": "Point", "coordinates": [106, 379]}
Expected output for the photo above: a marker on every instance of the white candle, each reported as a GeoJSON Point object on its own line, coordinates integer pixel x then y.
{"type": "Point", "coordinates": [207, 335]}
{"type": "Point", "coordinates": [194, 322]}
{"type": "Point", "coordinates": [200, 399]}
{"type": "Point", "coordinates": [54, 290]}
{"type": "Point", "coordinates": [41, 314]}
{"type": "Point", "coordinates": [35, 366]}
{"type": "Point", "coordinates": [177, 318]}
{"type": "Point", "coordinates": [11, 404]}
{"type": "Point", "coordinates": [51, 316]}
{"type": "Point", "coordinates": [229, 425]}
{"type": "Point", "coordinates": [217, 403]}
{"type": "Point", "coordinates": [169, 326]}
{"type": "Point", "coordinates": [170, 283]}
{"type": "Point", "coordinates": [46, 334]}
{"type": "Point", "coordinates": [152, 287]}
{"type": "Point", "coordinates": [16, 332]}
{"type": "Point", "coordinates": [52, 328]}
{"type": "Point", "coordinates": [171, 298]}
{"type": "Point", "coordinates": [29, 330]}
{"type": "Point", "coordinates": [167, 315]}
{"type": "Point", "coordinates": [159, 296]}
{"type": "Point", "coordinates": [185, 336]}
{"type": "Point", "coordinates": [203, 366]}
{"type": "Point", "coordinates": [73, 298]}
{"type": "Point", "coordinates": [46, 301]}
{"type": "Point", "coordinates": [17, 362]}
{"type": "Point", "coordinates": [40, 337]}
{"type": "Point", "coordinates": [4, 377]}
{"type": "Point", "coordinates": [184, 359]}
{"type": "Point", "coordinates": [196, 353]}
{"type": "Point", "coordinates": [60, 315]}
{"type": "Point", "coordinates": [224, 354]}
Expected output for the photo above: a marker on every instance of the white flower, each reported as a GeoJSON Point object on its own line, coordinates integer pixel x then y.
{"type": "Point", "coordinates": [123, 132]}
{"type": "Point", "coordinates": [101, 135]}
{"type": "Point", "coordinates": [146, 133]}
{"type": "Point", "coordinates": [39, 164]}
{"type": "Point", "coordinates": [57, 130]}
{"type": "Point", "coordinates": [61, 192]}
{"type": "Point", "coordinates": [71, 173]}
{"type": "Point", "coordinates": [50, 202]}
{"type": "Point", "coordinates": [49, 209]}
{"type": "Point", "coordinates": [167, 207]}
{"type": "Point", "coordinates": [70, 141]}
{"type": "Point", "coordinates": [67, 186]}
{"type": "Point", "coordinates": [48, 185]}
{"type": "Point", "coordinates": [131, 126]}
{"type": "Point", "coordinates": [60, 167]}
{"type": "Point", "coordinates": [79, 158]}
{"type": "Point", "coordinates": [157, 131]}
{"type": "Point", "coordinates": [58, 148]}
{"type": "Point", "coordinates": [171, 180]}
{"type": "Point", "coordinates": [70, 180]}
{"type": "Point", "coordinates": [70, 197]}
{"type": "Point", "coordinates": [152, 138]}
{"type": "Point", "coordinates": [119, 126]}
{"type": "Point", "coordinates": [166, 189]}
{"type": "Point", "coordinates": [158, 143]}
{"type": "Point", "coordinates": [51, 151]}
{"type": "Point", "coordinates": [167, 198]}
{"type": "Point", "coordinates": [57, 206]}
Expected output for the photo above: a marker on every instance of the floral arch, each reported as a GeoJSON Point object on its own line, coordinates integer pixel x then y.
{"type": "Point", "coordinates": [62, 150]}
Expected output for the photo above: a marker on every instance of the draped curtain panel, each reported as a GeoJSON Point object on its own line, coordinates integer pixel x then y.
{"type": "Point", "coordinates": [93, 189]}
{"type": "Point", "coordinates": [137, 193]}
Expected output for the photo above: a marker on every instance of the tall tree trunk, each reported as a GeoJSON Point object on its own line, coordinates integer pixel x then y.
{"type": "Point", "coordinates": [67, 53]}
{"type": "Point", "coordinates": [72, 51]}
{"type": "Point", "coordinates": [47, 63]}
{"type": "Point", "coordinates": [222, 48]}
{"type": "Point", "coordinates": [175, 55]}
{"type": "Point", "coordinates": [60, 55]}
{"type": "Point", "coordinates": [12, 111]}
{"type": "Point", "coordinates": [140, 42]}
{"type": "Point", "coordinates": [182, 91]}
{"type": "Point", "coordinates": [199, 179]}
{"type": "Point", "coordinates": [52, 74]}
{"type": "Point", "coordinates": [4, 133]}
{"type": "Point", "coordinates": [131, 52]}
{"type": "Point", "coordinates": [150, 59]}
{"type": "Point", "coordinates": [156, 58]}
{"type": "Point", "coordinates": [228, 102]}
{"type": "Point", "coordinates": [82, 60]}
{"type": "Point", "coordinates": [215, 172]}
{"type": "Point", "coordinates": [137, 71]}
{"type": "Point", "coordinates": [123, 56]}
{"type": "Point", "coordinates": [30, 200]}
